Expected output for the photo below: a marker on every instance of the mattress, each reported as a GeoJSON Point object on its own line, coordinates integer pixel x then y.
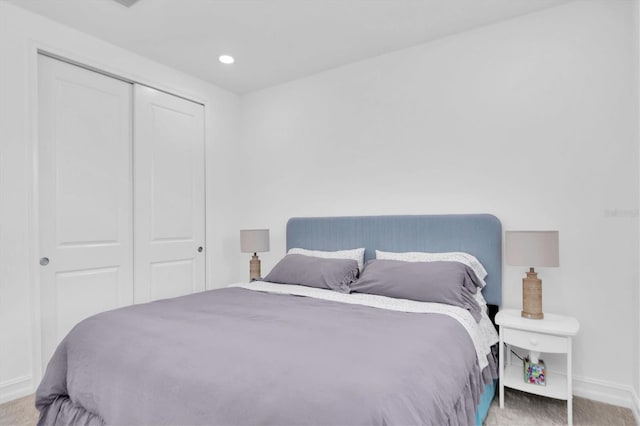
{"type": "Point", "coordinates": [258, 356]}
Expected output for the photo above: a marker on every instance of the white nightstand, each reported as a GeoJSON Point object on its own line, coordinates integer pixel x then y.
{"type": "Point", "coordinates": [549, 335]}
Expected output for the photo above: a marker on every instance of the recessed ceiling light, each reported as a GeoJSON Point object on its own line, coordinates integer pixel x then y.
{"type": "Point", "coordinates": [226, 59]}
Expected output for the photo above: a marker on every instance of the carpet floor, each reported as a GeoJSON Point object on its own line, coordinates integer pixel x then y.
{"type": "Point", "coordinates": [519, 409]}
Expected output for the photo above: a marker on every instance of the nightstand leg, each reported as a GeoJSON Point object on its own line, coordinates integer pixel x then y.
{"type": "Point", "coordinates": [501, 368]}
{"type": "Point", "coordinates": [569, 385]}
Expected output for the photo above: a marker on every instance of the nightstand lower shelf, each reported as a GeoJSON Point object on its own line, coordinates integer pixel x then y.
{"type": "Point", "coordinates": [556, 386]}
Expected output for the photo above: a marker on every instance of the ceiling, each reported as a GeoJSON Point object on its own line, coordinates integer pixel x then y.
{"type": "Point", "coordinates": [273, 41]}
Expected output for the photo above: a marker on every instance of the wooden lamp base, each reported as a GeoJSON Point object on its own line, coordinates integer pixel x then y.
{"type": "Point", "coordinates": [532, 296]}
{"type": "Point", "coordinates": [254, 268]}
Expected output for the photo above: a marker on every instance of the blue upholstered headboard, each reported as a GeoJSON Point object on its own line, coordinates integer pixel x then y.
{"type": "Point", "coordinates": [478, 234]}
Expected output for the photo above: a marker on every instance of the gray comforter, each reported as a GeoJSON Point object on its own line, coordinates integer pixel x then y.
{"type": "Point", "coordinates": [241, 357]}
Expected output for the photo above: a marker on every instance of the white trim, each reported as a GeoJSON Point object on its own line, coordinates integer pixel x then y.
{"type": "Point", "coordinates": [32, 213]}
{"type": "Point", "coordinates": [208, 273]}
{"type": "Point", "coordinates": [120, 77]}
{"type": "Point", "coordinates": [15, 388]}
{"type": "Point", "coordinates": [35, 48]}
{"type": "Point", "coordinates": [97, 65]}
{"type": "Point", "coordinates": [636, 380]}
{"type": "Point", "coordinates": [636, 405]}
{"type": "Point", "coordinates": [607, 392]}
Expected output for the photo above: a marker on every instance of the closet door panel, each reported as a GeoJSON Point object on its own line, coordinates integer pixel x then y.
{"type": "Point", "coordinates": [84, 196]}
{"type": "Point", "coordinates": [169, 203]}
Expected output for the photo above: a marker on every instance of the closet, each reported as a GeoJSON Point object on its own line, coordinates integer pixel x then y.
{"type": "Point", "coordinates": [121, 201]}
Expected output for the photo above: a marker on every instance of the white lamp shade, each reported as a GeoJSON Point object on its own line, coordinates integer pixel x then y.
{"type": "Point", "coordinates": [532, 248]}
{"type": "Point", "coordinates": [254, 240]}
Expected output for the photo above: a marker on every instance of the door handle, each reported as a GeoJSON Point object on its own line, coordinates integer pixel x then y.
{"type": "Point", "coordinates": [44, 261]}
{"type": "Point", "coordinates": [200, 249]}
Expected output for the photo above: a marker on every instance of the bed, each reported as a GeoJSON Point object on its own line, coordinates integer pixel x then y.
{"type": "Point", "coordinates": [264, 353]}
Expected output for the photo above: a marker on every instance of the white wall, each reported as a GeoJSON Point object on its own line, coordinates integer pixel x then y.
{"type": "Point", "coordinates": [19, 30]}
{"type": "Point", "coordinates": [533, 119]}
{"type": "Point", "coordinates": [636, 70]}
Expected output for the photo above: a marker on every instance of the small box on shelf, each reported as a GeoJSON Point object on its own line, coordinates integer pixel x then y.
{"type": "Point", "coordinates": [535, 373]}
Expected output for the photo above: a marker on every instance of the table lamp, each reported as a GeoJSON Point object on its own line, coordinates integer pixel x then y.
{"type": "Point", "coordinates": [254, 241]}
{"type": "Point", "coordinates": [532, 248]}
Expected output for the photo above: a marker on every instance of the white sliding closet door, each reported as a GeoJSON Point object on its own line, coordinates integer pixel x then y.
{"type": "Point", "coordinates": [84, 196]}
{"type": "Point", "coordinates": [169, 207]}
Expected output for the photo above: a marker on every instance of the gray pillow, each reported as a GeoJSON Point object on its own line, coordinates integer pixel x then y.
{"type": "Point", "coordinates": [452, 283]}
{"type": "Point", "coordinates": [332, 274]}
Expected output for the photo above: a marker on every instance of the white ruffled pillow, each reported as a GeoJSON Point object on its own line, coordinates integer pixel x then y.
{"type": "Point", "coordinates": [355, 254]}
{"type": "Point", "coordinates": [454, 256]}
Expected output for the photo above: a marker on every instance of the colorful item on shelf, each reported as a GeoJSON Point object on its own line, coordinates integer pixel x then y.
{"type": "Point", "coordinates": [535, 373]}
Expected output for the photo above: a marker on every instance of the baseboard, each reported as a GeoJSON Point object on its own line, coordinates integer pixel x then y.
{"type": "Point", "coordinates": [15, 388]}
{"type": "Point", "coordinates": [607, 392]}
{"type": "Point", "coordinates": [636, 407]}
